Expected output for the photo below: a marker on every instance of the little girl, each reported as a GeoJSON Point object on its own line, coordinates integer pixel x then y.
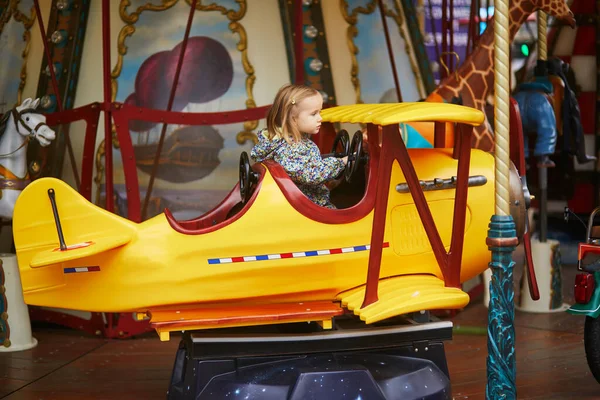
{"type": "Point", "coordinates": [294, 116]}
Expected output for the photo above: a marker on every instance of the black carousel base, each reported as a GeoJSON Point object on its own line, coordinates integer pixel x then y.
{"type": "Point", "coordinates": [405, 360]}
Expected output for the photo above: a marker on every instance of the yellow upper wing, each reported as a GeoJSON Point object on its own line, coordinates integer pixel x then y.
{"type": "Point", "coordinates": [388, 114]}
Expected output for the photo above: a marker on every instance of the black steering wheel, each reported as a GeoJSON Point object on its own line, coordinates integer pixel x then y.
{"type": "Point", "coordinates": [247, 177]}
{"type": "Point", "coordinates": [344, 139]}
{"type": "Point", "coordinates": [355, 156]}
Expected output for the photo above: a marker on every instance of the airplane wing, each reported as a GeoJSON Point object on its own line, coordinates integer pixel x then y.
{"type": "Point", "coordinates": [191, 317]}
{"type": "Point", "coordinates": [404, 294]}
{"type": "Point", "coordinates": [80, 250]}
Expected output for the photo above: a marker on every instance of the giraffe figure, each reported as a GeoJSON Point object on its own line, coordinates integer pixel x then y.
{"type": "Point", "coordinates": [474, 79]}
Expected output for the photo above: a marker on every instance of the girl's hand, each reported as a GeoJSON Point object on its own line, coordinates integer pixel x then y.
{"type": "Point", "coordinates": [332, 184]}
{"type": "Point", "coordinates": [345, 160]}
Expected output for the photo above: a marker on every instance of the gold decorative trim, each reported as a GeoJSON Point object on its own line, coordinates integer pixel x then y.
{"type": "Point", "coordinates": [13, 12]}
{"type": "Point", "coordinates": [352, 19]}
{"type": "Point", "coordinates": [420, 10]}
{"type": "Point", "coordinates": [129, 30]}
{"type": "Point", "coordinates": [235, 27]}
{"type": "Point", "coordinates": [27, 24]}
{"type": "Point", "coordinates": [351, 33]}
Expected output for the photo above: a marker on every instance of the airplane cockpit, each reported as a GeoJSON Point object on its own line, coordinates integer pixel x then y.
{"type": "Point", "coordinates": [352, 196]}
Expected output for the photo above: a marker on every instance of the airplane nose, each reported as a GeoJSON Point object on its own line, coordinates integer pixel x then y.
{"type": "Point", "coordinates": [519, 201]}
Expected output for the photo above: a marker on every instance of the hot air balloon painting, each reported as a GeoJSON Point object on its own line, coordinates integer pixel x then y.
{"type": "Point", "coordinates": [190, 153]}
{"type": "Point", "coordinates": [197, 165]}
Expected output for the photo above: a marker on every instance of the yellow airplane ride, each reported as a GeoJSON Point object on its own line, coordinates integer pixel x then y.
{"type": "Point", "coordinates": [267, 254]}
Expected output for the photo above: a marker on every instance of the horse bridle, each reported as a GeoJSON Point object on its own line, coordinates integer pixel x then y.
{"type": "Point", "coordinates": [9, 180]}
{"type": "Point", "coordinates": [18, 117]}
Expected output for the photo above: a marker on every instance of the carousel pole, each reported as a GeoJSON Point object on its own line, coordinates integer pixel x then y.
{"type": "Point", "coordinates": [502, 236]}
{"type": "Point", "coordinates": [163, 132]}
{"type": "Point", "coordinates": [108, 159]}
{"type": "Point", "coordinates": [543, 169]}
{"type": "Point", "coordinates": [542, 35]}
{"type": "Point", "coordinates": [390, 51]}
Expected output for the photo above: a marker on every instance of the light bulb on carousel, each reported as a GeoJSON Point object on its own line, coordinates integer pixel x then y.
{"type": "Point", "coordinates": [63, 5]}
{"type": "Point", "coordinates": [48, 101]}
{"type": "Point", "coordinates": [311, 32]}
{"type": "Point", "coordinates": [58, 36]}
{"type": "Point", "coordinates": [315, 65]}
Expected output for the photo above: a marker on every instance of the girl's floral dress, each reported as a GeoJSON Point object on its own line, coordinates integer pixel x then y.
{"type": "Point", "coordinates": [303, 163]}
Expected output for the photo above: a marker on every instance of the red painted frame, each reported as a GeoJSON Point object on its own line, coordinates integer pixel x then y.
{"type": "Point", "coordinates": [585, 248]}
{"type": "Point", "coordinates": [123, 113]}
{"type": "Point", "coordinates": [90, 114]}
{"type": "Point", "coordinates": [517, 156]}
{"type": "Point", "coordinates": [116, 326]}
{"type": "Point", "coordinates": [394, 149]}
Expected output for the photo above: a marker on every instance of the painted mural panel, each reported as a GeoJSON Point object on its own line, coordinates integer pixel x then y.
{"type": "Point", "coordinates": [372, 70]}
{"type": "Point", "coordinates": [16, 19]}
{"type": "Point", "coordinates": [198, 164]}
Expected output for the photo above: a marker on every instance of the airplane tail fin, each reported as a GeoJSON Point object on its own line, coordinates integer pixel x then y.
{"type": "Point", "coordinates": [86, 228]}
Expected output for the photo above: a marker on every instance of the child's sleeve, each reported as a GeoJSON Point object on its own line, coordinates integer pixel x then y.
{"type": "Point", "coordinates": [310, 170]}
{"type": "Point", "coordinates": [259, 151]}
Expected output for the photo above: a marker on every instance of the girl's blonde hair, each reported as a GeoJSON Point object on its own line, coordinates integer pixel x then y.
{"type": "Point", "coordinates": [280, 121]}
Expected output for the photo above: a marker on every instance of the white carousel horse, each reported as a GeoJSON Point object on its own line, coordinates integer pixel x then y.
{"type": "Point", "coordinates": [17, 127]}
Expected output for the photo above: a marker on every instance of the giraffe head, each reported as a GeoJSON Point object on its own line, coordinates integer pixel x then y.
{"type": "Point", "coordinates": [557, 8]}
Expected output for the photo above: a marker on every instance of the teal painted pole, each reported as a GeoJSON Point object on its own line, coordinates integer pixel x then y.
{"type": "Point", "coordinates": [501, 364]}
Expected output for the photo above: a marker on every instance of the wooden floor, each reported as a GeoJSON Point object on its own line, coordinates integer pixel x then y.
{"type": "Point", "coordinates": [72, 365]}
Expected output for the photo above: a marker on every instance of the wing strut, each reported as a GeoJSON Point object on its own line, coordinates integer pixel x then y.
{"type": "Point", "coordinates": [61, 237]}
{"type": "Point", "coordinates": [394, 149]}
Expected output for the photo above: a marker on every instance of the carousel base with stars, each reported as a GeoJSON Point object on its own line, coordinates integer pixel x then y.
{"type": "Point", "coordinates": [403, 359]}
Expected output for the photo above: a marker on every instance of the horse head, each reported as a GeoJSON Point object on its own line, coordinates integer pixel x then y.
{"type": "Point", "coordinates": [30, 123]}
